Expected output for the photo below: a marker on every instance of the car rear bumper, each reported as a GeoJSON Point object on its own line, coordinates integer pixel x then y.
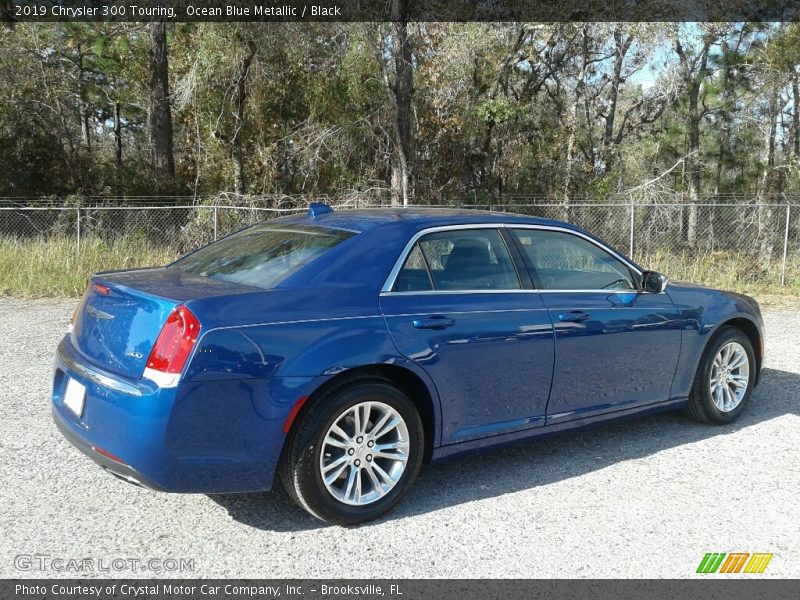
{"type": "Point", "coordinates": [119, 469]}
{"type": "Point", "coordinates": [204, 436]}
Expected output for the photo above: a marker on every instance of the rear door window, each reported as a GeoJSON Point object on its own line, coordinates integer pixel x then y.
{"type": "Point", "coordinates": [264, 255]}
{"type": "Point", "coordinates": [462, 260]}
{"type": "Point", "coordinates": [414, 276]}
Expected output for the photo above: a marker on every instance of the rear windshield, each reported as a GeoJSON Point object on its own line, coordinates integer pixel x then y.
{"type": "Point", "coordinates": [262, 256]}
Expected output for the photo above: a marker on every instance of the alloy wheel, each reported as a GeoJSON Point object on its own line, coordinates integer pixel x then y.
{"type": "Point", "coordinates": [730, 375]}
{"type": "Point", "coordinates": [364, 453]}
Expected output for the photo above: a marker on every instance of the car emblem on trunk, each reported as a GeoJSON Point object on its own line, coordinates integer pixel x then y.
{"type": "Point", "coordinates": [134, 354]}
{"type": "Point", "coordinates": [97, 313]}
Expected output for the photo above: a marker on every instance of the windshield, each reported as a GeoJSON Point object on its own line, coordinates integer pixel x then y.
{"type": "Point", "coordinates": [262, 256]}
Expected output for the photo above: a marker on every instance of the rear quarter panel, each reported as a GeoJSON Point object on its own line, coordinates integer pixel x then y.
{"type": "Point", "coordinates": [276, 342]}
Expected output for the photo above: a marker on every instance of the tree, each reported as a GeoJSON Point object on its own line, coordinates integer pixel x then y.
{"type": "Point", "coordinates": [693, 69]}
{"type": "Point", "coordinates": [160, 120]}
{"type": "Point", "coordinates": [394, 54]}
{"type": "Point", "coordinates": [238, 102]}
{"type": "Point", "coordinates": [409, 112]}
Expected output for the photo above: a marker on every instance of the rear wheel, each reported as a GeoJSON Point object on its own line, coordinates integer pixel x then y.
{"type": "Point", "coordinates": [725, 378]}
{"type": "Point", "coordinates": [355, 453]}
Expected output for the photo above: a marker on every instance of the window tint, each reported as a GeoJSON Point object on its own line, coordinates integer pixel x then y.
{"type": "Point", "coordinates": [562, 261]}
{"type": "Point", "coordinates": [262, 256]}
{"type": "Point", "coordinates": [464, 259]}
{"type": "Point", "coordinates": [413, 277]}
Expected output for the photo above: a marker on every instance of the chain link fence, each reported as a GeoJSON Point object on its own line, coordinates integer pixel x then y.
{"type": "Point", "coordinates": [715, 243]}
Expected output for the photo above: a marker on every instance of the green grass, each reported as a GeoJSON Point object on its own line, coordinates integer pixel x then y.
{"type": "Point", "coordinates": [53, 267]}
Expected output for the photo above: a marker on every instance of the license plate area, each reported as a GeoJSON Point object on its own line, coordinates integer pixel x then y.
{"type": "Point", "coordinates": [75, 397]}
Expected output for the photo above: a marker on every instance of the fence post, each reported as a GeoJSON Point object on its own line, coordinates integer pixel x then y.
{"type": "Point", "coordinates": [785, 245]}
{"type": "Point", "coordinates": [78, 229]}
{"type": "Point", "coordinates": [215, 222]}
{"type": "Point", "coordinates": [630, 251]}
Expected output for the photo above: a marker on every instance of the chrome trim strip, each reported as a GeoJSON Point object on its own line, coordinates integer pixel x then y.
{"type": "Point", "coordinates": [398, 265]}
{"type": "Point", "coordinates": [452, 292]}
{"type": "Point", "coordinates": [389, 283]}
{"type": "Point", "coordinates": [97, 376]}
{"type": "Point", "coordinates": [534, 291]}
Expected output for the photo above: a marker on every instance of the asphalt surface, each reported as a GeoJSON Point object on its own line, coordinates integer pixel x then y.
{"type": "Point", "coordinates": [645, 498]}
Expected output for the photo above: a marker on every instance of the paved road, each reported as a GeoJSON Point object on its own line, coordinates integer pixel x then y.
{"type": "Point", "coordinates": [646, 498]}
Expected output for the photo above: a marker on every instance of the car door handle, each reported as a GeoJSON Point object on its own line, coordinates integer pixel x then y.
{"type": "Point", "coordinates": [573, 316]}
{"type": "Point", "coordinates": [435, 322]}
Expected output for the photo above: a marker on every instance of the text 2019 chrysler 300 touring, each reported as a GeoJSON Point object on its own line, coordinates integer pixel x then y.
{"type": "Point", "coordinates": [338, 351]}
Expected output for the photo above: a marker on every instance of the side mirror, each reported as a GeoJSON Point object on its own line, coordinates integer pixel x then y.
{"type": "Point", "coordinates": [654, 282]}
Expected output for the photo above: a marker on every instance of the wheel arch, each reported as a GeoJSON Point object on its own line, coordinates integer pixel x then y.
{"type": "Point", "coordinates": [411, 383]}
{"type": "Point", "coordinates": [753, 333]}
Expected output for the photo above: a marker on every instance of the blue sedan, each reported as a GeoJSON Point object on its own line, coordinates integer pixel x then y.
{"type": "Point", "coordinates": [339, 351]}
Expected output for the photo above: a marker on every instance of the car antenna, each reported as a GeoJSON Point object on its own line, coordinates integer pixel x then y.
{"type": "Point", "coordinates": [315, 209]}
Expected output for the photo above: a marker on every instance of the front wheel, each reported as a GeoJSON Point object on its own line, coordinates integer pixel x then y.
{"type": "Point", "coordinates": [725, 378]}
{"type": "Point", "coordinates": [355, 453]}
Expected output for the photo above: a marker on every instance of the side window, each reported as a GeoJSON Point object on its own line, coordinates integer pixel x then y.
{"type": "Point", "coordinates": [414, 276]}
{"type": "Point", "coordinates": [562, 261]}
{"type": "Point", "coordinates": [463, 259]}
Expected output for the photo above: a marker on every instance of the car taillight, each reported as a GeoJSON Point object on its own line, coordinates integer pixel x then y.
{"type": "Point", "coordinates": [172, 347]}
{"type": "Point", "coordinates": [74, 316]}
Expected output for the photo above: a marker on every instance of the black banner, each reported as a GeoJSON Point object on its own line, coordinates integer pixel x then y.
{"type": "Point", "coordinates": [393, 10]}
{"type": "Point", "coordinates": [414, 589]}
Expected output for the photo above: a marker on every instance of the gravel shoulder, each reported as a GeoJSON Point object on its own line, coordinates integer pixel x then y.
{"type": "Point", "coordinates": [645, 498]}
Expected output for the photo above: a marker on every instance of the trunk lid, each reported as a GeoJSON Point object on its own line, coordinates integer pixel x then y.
{"type": "Point", "coordinates": [122, 313]}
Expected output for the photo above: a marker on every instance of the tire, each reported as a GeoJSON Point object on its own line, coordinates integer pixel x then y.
{"type": "Point", "coordinates": [363, 482]}
{"type": "Point", "coordinates": [721, 407]}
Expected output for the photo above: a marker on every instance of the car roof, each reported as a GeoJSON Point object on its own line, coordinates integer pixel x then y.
{"type": "Point", "coordinates": [415, 218]}
{"type": "Point", "coordinates": [383, 233]}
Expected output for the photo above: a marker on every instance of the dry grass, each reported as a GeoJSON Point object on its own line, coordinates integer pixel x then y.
{"type": "Point", "coordinates": [53, 267]}
{"type": "Point", "coordinates": [729, 271]}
